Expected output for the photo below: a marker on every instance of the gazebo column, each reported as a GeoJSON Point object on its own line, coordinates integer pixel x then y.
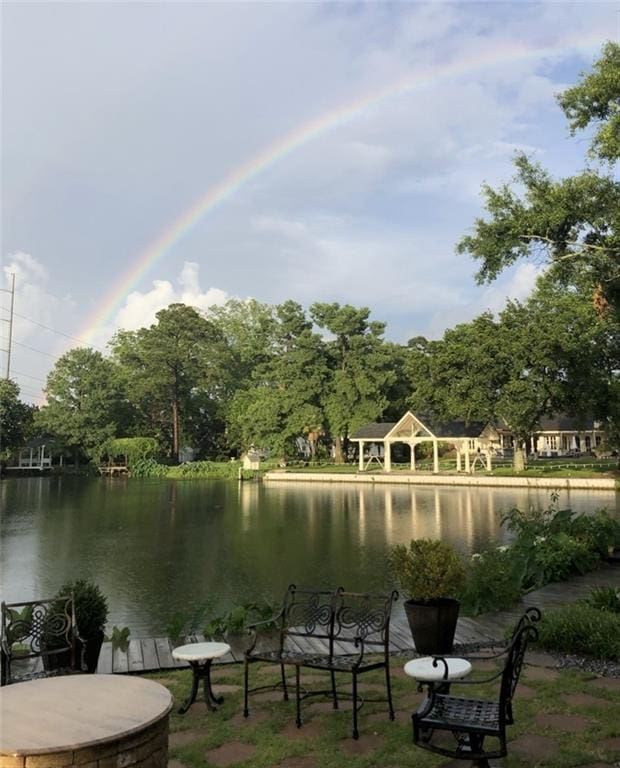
{"type": "Point", "coordinates": [458, 458]}
{"type": "Point", "coordinates": [387, 450]}
{"type": "Point", "coordinates": [435, 457]}
{"type": "Point", "coordinates": [489, 466]}
{"type": "Point", "coordinates": [412, 447]}
{"type": "Point", "coordinates": [360, 463]}
{"type": "Point", "coordinates": [467, 470]}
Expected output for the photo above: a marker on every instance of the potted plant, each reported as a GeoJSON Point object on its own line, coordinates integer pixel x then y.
{"type": "Point", "coordinates": [91, 615]}
{"type": "Point", "coordinates": [430, 573]}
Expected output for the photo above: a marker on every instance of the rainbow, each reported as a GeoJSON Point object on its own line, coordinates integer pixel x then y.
{"type": "Point", "coordinates": [284, 146]}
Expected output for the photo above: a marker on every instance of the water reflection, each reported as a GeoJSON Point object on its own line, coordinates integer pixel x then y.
{"type": "Point", "coordinates": [157, 547]}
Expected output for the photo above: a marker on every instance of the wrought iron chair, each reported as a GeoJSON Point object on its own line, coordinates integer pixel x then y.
{"type": "Point", "coordinates": [307, 615]}
{"type": "Point", "coordinates": [39, 639]}
{"type": "Point", "coordinates": [361, 627]}
{"type": "Point", "coordinates": [467, 722]}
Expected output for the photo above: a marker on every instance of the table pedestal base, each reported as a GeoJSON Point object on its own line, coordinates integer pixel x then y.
{"type": "Point", "coordinates": [201, 671]}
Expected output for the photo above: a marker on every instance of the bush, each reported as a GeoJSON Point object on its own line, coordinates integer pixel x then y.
{"type": "Point", "coordinates": [428, 569]}
{"type": "Point", "coordinates": [148, 468]}
{"type": "Point", "coordinates": [91, 606]}
{"type": "Point", "coordinates": [605, 599]}
{"type": "Point", "coordinates": [493, 581]}
{"type": "Point", "coordinates": [554, 544]}
{"type": "Point", "coordinates": [581, 629]}
{"type": "Point", "coordinates": [235, 621]}
{"type": "Point", "coordinates": [226, 470]}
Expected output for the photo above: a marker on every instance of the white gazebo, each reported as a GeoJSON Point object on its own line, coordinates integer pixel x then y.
{"type": "Point", "coordinates": [474, 439]}
{"type": "Point", "coordinates": [35, 454]}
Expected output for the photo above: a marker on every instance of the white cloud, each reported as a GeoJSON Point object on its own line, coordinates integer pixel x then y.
{"type": "Point", "coordinates": [37, 314]}
{"type": "Point", "coordinates": [140, 308]}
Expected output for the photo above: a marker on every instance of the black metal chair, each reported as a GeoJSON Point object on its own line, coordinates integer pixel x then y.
{"type": "Point", "coordinates": [306, 616]}
{"type": "Point", "coordinates": [361, 627]}
{"type": "Point", "coordinates": [457, 727]}
{"type": "Point", "coordinates": [39, 639]}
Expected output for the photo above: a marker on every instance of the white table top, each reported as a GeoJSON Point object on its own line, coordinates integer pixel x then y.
{"type": "Point", "coordinates": [424, 671]}
{"type": "Point", "coordinates": [57, 714]}
{"type": "Point", "coordinates": [200, 651]}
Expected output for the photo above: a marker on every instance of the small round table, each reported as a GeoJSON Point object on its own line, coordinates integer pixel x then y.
{"type": "Point", "coordinates": [200, 657]}
{"type": "Point", "coordinates": [425, 672]}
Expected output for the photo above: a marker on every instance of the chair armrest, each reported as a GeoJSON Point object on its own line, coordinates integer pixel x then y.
{"type": "Point", "coordinates": [252, 633]}
{"type": "Point", "coordinates": [255, 624]}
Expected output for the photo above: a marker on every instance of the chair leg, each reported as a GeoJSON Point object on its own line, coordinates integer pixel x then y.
{"type": "Point", "coordinates": [356, 734]}
{"type": "Point", "coordinates": [246, 670]}
{"type": "Point", "coordinates": [388, 685]}
{"type": "Point", "coordinates": [283, 676]}
{"type": "Point", "coordinates": [334, 694]}
{"type": "Point", "coordinates": [297, 697]}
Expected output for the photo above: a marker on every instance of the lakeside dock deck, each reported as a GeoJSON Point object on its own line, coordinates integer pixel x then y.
{"type": "Point", "coordinates": [155, 653]}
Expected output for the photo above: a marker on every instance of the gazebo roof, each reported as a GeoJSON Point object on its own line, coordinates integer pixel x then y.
{"type": "Point", "coordinates": [374, 430]}
{"type": "Point", "coordinates": [409, 425]}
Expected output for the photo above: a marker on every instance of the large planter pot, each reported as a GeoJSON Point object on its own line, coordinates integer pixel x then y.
{"type": "Point", "coordinates": [92, 648]}
{"type": "Point", "coordinates": [433, 624]}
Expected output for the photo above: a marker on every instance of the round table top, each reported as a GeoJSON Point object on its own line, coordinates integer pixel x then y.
{"type": "Point", "coordinates": [57, 714]}
{"type": "Point", "coordinates": [424, 671]}
{"type": "Point", "coordinates": [200, 651]}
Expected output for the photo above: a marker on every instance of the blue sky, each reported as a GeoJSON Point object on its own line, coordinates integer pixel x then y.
{"type": "Point", "coordinates": [117, 116]}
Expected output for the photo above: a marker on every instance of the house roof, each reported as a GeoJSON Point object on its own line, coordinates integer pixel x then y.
{"type": "Point", "coordinates": [374, 430]}
{"type": "Point", "coordinates": [564, 423]}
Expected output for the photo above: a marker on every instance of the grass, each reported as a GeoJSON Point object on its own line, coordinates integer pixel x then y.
{"type": "Point", "coordinates": [383, 743]}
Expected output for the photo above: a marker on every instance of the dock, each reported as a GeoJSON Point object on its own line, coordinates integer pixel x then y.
{"type": "Point", "coordinates": [154, 654]}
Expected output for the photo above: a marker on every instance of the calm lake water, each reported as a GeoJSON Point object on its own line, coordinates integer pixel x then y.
{"type": "Point", "coordinates": [157, 547]}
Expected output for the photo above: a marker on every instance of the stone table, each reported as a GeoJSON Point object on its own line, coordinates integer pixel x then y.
{"type": "Point", "coordinates": [98, 720]}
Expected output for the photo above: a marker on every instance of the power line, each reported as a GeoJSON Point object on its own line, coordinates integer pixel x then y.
{"type": "Point", "coordinates": [53, 330]}
{"type": "Point", "coordinates": [28, 376]}
{"type": "Point", "coordinates": [39, 351]}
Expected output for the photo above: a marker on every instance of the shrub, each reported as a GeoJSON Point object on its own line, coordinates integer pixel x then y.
{"type": "Point", "coordinates": [148, 468]}
{"type": "Point", "coordinates": [605, 599]}
{"type": "Point", "coordinates": [493, 581]}
{"type": "Point", "coordinates": [428, 569]}
{"type": "Point", "coordinates": [581, 629]}
{"type": "Point", "coordinates": [554, 544]}
{"type": "Point", "coordinates": [91, 606]}
{"type": "Point", "coordinates": [226, 470]}
{"type": "Point", "coordinates": [239, 616]}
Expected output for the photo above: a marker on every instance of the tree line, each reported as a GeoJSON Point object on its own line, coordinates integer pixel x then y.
{"type": "Point", "coordinates": [251, 373]}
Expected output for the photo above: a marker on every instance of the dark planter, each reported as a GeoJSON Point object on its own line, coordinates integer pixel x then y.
{"type": "Point", "coordinates": [91, 649]}
{"type": "Point", "coordinates": [433, 624]}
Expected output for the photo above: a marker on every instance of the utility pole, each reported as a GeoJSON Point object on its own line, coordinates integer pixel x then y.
{"type": "Point", "coordinates": [10, 322]}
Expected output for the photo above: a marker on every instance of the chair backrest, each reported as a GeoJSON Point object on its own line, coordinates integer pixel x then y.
{"type": "Point", "coordinates": [364, 615]}
{"type": "Point", "coordinates": [43, 629]}
{"type": "Point", "coordinates": [523, 633]}
{"type": "Point", "coordinates": [308, 612]}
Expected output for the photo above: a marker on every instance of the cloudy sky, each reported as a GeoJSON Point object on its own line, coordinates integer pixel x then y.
{"type": "Point", "coordinates": [118, 118]}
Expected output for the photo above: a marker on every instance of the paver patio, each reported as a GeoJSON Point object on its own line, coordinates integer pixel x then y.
{"type": "Point", "coordinates": [563, 719]}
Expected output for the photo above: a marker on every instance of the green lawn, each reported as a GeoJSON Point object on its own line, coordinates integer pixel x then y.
{"type": "Point", "coordinates": [591, 734]}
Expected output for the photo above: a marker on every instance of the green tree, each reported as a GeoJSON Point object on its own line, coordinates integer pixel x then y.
{"type": "Point", "coordinates": [282, 400]}
{"type": "Point", "coordinates": [361, 370]}
{"type": "Point", "coordinates": [16, 419]}
{"type": "Point", "coordinates": [170, 368]}
{"type": "Point", "coordinates": [86, 404]}
{"type": "Point", "coordinates": [596, 101]}
{"type": "Point", "coordinates": [573, 223]}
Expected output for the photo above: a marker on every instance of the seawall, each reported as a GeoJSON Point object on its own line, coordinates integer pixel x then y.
{"type": "Point", "coordinates": [559, 483]}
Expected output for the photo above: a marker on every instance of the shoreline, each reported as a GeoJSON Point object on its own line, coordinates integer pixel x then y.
{"type": "Point", "coordinates": [560, 483]}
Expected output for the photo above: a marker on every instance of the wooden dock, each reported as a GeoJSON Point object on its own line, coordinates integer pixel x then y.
{"type": "Point", "coordinates": [153, 654]}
